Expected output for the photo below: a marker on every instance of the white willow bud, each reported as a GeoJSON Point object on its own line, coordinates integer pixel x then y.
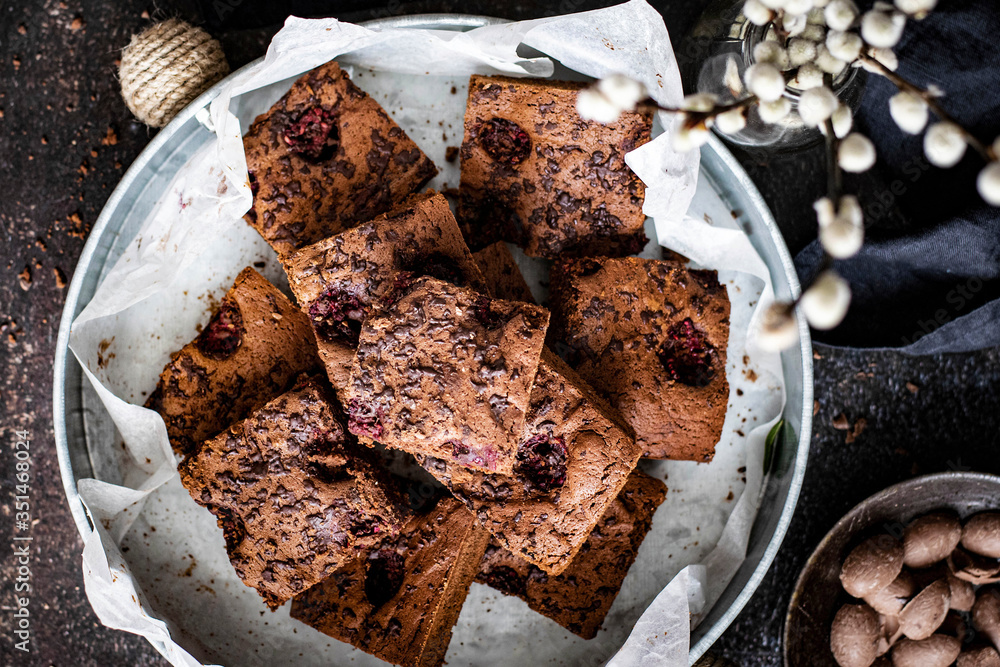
{"type": "Point", "coordinates": [816, 105]}
{"type": "Point", "coordinates": [849, 209]}
{"type": "Point", "coordinates": [798, 6]}
{"type": "Point", "coordinates": [774, 112]}
{"type": "Point", "coordinates": [885, 56]}
{"type": "Point", "coordinates": [988, 183]}
{"type": "Point", "coordinates": [771, 52]}
{"type": "Point", "coordinates": [844, 45]}
{"type": "Point", "coordinates": [593, 105]}
{"type": "Point", "coordinates": [840, 14]}
{"type": "Point", "coordinates": [808, 76]}
{"type": "Point", "coordinates": [909, 111]}
{"type": "Point", "coordinates": [778, 329]}
{"type": "Point", "coordinates": [826, 301]}
{"type": "Point", "coordinates": [825, 212]}
{"type": "Point", "coordinates": [765, 81]}
{"type": "Point", "coordinates": [815, 15]}
{"type": "Point", "coordinates": [843, 120]}
{"type": "Point", "coordinates": [774, 4]}
{"type": "Point", "coordinates": [731, 78]}
{"type": "Point", "coordinates": [794, 24]}
{"type": "Point", "coordinates": [757, 13]}
{"type": "Point", "coordinates": [882, 29]}
{"type": "Point", "coordinates": [944, 144]}
{"type": "Point", "coordinates": [856, 153]}
{"type": "Point", "coordinates": [622, 90]}
{"type": "Point", "coordinates": [687, 139]}
{"type": "Point", "coordinates": [732, 121]}
{"type": "Point", "coordinates": [828, 62]}
{"type": "Point", "coordinates": [800, 51]}
{"type": "Point", "coordinates": [702, 102]}
{"type": "Point", "coordinates": [916, 8]}
{"type": "Point", "coordinates": [841, 238]}
{"type": "Point", "coordinates": [814, 33]}
{"type": "Point", "coordinates": [996, 146]}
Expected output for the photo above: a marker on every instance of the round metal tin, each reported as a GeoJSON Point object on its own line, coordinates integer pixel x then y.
{"type": "Point", "coordinates": [75, 403]}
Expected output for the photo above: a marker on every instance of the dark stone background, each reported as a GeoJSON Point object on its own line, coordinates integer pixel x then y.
{"type": "Point", "coordinates": [65, 139]}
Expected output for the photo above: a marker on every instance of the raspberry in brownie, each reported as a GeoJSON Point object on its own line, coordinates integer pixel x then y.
{"type": "Point", "coordinates": [295, 496]}
{"type": "Point", "coordinates": [651, 336]}
{"type": "Point", "coordinates": [256, 343]}
{"type": "Point", "coordinates": [444, 371]}
{"type": "Point", "coordinates": [572, 460]}
{"type": "Point", "coordinates": [337, 280]}
{"type": "Point", "coordinates": [580, 597]}
{"type": "Point", "coordinates": [501, 273]}
{"type": "Point", "coordinates": [400, 602]}
{"type": "Point", "coordinates": [536, 174]}
{"type": "Point", "coordinates": [325, 157]}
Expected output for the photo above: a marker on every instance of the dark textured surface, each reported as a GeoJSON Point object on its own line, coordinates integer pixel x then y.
{"type": "Point", "coordinates": [59, 163]}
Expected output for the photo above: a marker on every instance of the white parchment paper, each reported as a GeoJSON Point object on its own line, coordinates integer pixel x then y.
{"type": "Point", "coordinates": [156, 563]}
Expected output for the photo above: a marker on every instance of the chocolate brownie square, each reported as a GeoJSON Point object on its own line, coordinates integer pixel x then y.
{"type": "Point", "coordinates": [254, 345]}
{"type": "Point", "coordinates": [573, 458]}
{"type": "Point", "coordinates": [444, 371]}
{"type": "Point", "coordinates": [580, 597]}
{"type": "Point", "coordinates": [400, 602]}
{"type": "Point", "coordinates": [325, 157]}
{"type": "Point", "coordinates": [535, 173]}
{"type": "Point", "coordinates": [337, 280]}
{"type": "Point", "coordinates": [295, 496]}
{"type": "Point", "coordinates": [501, 273]}
{"type": "Point", "coordinates": [651, 336]}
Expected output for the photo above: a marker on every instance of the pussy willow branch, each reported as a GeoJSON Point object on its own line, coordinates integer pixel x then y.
{"type": "Point", "coordinates": [696, 118]}
{"type": "Point", "coordinates": [931, 100]}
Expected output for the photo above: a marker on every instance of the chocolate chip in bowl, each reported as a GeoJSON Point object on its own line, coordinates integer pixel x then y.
{"type": "Point", "coordinates": [893, 582]}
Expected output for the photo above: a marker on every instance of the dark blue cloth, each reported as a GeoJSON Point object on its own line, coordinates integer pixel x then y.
{"type": "Point", "coordinates": [928, 277]}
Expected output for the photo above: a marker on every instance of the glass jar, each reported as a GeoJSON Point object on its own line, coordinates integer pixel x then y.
{"type": "Point", "coordinates": [723, 34]}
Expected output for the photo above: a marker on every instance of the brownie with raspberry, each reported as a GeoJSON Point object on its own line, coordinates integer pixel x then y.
{"type": "Point", "coordinates": [580, 597]}
{"type": "Point", "coordinates": [325, 157]}
{"type": "Point", "coordinates": [536, 174]}
{"type": "Point", "coordinates": [502, 274]}
{"type": "Point", "coordinates": [337, 280]}
{"type": "Point", "coordinates": [573, 457]}
{"type": "Point", "coordinates": [254, 345]}
{"type": "Point", "coordinates": [296, 497]}
{"type": "Point", "coordinates": [400, 601]}
{"type": "Point", "coordinates": [445, 371]}
{"type": "Point", "coordinates": [651, 336]}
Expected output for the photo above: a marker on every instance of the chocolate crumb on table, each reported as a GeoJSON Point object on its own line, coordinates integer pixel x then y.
{"type": "Point", "coordinates": [400, 602]}
{"type": "Point", "coordinates": [579, 598]}
{"type": "Point", "coordinates": [325, 157]}
{"type": "Point", "coordinates": [447, 372]}
{"type": "Point", "coordinates": [337, 280]}
{"type": "Point", "coordinates": [651, 336]}
{"type": "Point", "coordinates": [536, 174]}
{"type": "Point", "coordinates": [254, 345]}
{"type": "Point", "coordinates": [295, 496]}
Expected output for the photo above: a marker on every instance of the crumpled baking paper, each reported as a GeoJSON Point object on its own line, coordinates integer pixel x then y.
{"type": "Point", "coordinates": [155, 564]}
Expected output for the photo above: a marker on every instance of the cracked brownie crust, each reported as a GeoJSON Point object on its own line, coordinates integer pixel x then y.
{"type": "Point", "coordinates": [651, 336]}
{"type": "Point", "coordinates": [444, 371]}
{"type": "Point", "coordinates": [536, 174]}
{"type": "Point", "coordinates": [325, 157]}
{"type": "Point", "coordinates": [338, 280]}
{"type": "Point", "coordinates": [580, 597]}
{"type": "Point", "coordinates": [400, 602]}
{"type": "Point", "coordinates": [256, 343]}
{"type": "Point", "coordinates": [295, 497]}
{"type": "Point", "coordinates": [573, 458]}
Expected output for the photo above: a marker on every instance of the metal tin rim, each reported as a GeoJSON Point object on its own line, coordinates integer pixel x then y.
{"type": "Point", "coordinates": [850, 516]}
{"type": "Point", "coordinates": [72, 305]}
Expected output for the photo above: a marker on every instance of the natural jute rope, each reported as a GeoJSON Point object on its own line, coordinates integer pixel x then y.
{"type": "Point", "coordinates": [166, 66]}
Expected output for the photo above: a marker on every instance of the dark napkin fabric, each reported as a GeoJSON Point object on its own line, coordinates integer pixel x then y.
{"type": "Point", "coordinates": [928, 277]}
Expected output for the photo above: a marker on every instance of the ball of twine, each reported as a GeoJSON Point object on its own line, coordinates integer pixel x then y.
{"type": "Point", "coordinates": [166, 66]}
